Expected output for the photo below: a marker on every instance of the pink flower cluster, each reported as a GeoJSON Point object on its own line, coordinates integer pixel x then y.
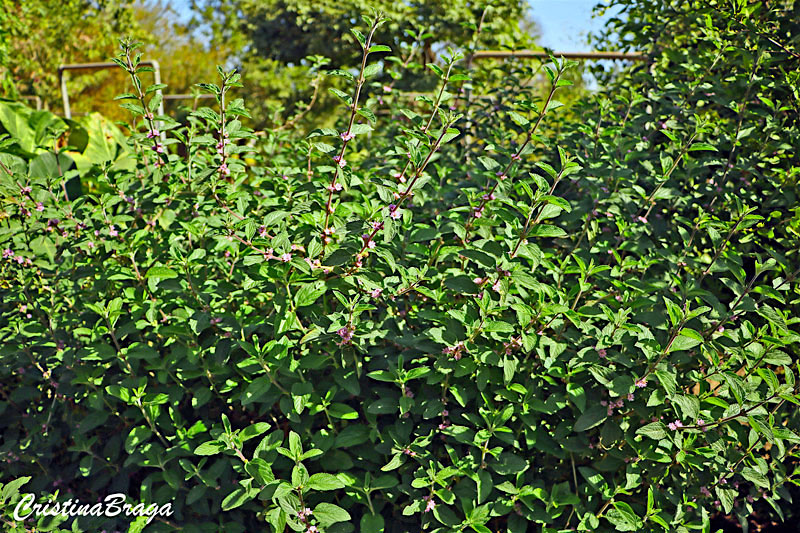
{"type": "Point", "coordinates": [8, 253]}
{"type": "Point", "coordinates": [612, 405]}
{"type": "Point", "coordinates": [512, 345]}
{"type": "Point", "coordinates": [369, 242]}
{"type": "Point", "coordinates": [430, 505]}
{"type": "Point", "coordinates": [346, 334]}
{"type": "Point", "coordinates": [674, 426]}
{"type": "Point", "coordinates": [455, 351]}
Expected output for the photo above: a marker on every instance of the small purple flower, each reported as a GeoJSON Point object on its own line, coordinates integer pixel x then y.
{"type": "Point", "coordinates": [26, 189]}
{"type": "Point", "coordinates": [641, 219]}
{"type": "Point", "coordinates": [496, 286]}
{"type": "Point", "coordinates": [704, 491]}
{"type": "Point", "coordinates": [286, 257]}
{"type": "Point", "coordinates": [430, 505]}
{"type": "Point", "coordinates": [347, 136]}
{"type": "Point", "coordinates": [516, 157]}
{"type": "Point", "coordinates": [602, 353]}
{"type": "Point", "coordinates": [346, 334]}
{"type": "Point", "coordinates": [39, 206]}
{"type": "Point", "coordinates": [673, 426]}
{"type": "Point", "coordinates": [304, 513]}
{"type": "Point", "coordinates": [641, 383]}
{"type": "Point", "coordinates": [8, 253]}
{"type": "Point", "coordinates": [340, 160]}
{"type": "Point", "coordinates": [112, 232]}
{"type": "Point", "coordinates": [630, 396]}
{"type": "Point", "coordinates": [396, 213]}
{"type": "Point", "coordinates": [152, 134]}
{"type": "Point", "coordinates": [376, 293]}
{"type": "Point", "coordinates": [224, 170]}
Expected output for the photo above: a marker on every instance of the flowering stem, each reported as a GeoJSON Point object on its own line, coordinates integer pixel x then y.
{"type": "Point", "coordinates": [347, 136]}
{"type": "Point", "coordinates": [153, 131]}
{"type": "Point", "coordinates": [540, 206]}
{"type": "Point", "coordinates": [404, 195]}
{"type": "Point", "coordinates": [722, 247]}
{"type": "Point", "coordinates": [516, 157]}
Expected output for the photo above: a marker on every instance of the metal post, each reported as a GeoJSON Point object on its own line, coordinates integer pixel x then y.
{"type": "Point", "coordinates": [541, 54]}
{"type": "Point", "coordinates": [102, 66]}
{"type": "Point", "coordinates": [35, 99]}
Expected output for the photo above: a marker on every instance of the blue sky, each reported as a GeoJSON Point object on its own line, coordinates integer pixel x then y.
{"type": "Point", "coordinates": [564, 23]}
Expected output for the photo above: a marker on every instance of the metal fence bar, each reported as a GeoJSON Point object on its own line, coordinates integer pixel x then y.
{"type": "Point", "coordinates": [101, 66]}
{"type": "Point", "coordinates": [186, 96]}
{"type": "Point", "coordinates": [540, 54]}
{"type": "Point", "coordinates": [35, 99]}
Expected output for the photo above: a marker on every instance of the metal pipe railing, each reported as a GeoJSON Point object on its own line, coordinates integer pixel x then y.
{"type": "Point", "coordinates": [541, 54]}
{"type": "Point", "coordinates": [102, 66]}
{"type": "Point", "coordinates": [35, 99]}
{"type": "Point", "coordinates": [185, 96]}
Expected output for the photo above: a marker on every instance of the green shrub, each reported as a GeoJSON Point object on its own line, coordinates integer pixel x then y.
{"type": "Point", "coordinates": [460, 316]}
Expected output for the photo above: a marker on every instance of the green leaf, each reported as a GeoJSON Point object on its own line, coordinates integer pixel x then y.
{"type": "Point", "coordinates": [260, 470]}
{"type": "Point", "coordinates": [726, 497]}
{"type": "Point", "coordinates": [624, 518]}
{"type": "Point", "coordinates": [683, 342]}
{"type": "Point", "coordinates": [344, 411]}
{"type": "Point", "coordinates": [160, 272]}
{"type": "Point", "coordinates": [439, 72]}
{"type": "Point", "coordinates": [379, 48]}
{"type": "Point", "coordinates": [590, 418]}
{"type": "Point", "coordinates": [654, 430]}
{"type": "Point", "coordinates": [309, 293]}
{"type": "Point", "coordinates": [702, 146]}
{"type": "Point", "coordinates": [328, 514]}
{"type": "Point", "coordinates": [755, 477]}
{"type": "Point", "coordinates": [12, 487]}
{"type": "Point", "coordinates": [546, 230]}
{"type": "Point", "coordinates": [690, 405]}
{"type": "Point", "coordinates": [324, 482]}
{"type": "Point", "coordinates": [445, 516]}
{"type": "Point", "coordinates": [138, 435]}
{"type": "Point", "coordinates": [236, 498]}
{"type": "Point", "coordinates": [253, 430]}
{"type": "Point", "coordinates": [371, 523]}
{"type": "Point", "coordinates": [212, 447]}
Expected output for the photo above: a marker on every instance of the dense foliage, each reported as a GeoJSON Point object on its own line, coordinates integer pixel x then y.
{"type": "Point", "coordinates": [470, 311]}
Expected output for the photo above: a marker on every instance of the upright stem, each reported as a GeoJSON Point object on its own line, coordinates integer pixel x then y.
{"type": "Point", "coordinates": [346, 137]}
